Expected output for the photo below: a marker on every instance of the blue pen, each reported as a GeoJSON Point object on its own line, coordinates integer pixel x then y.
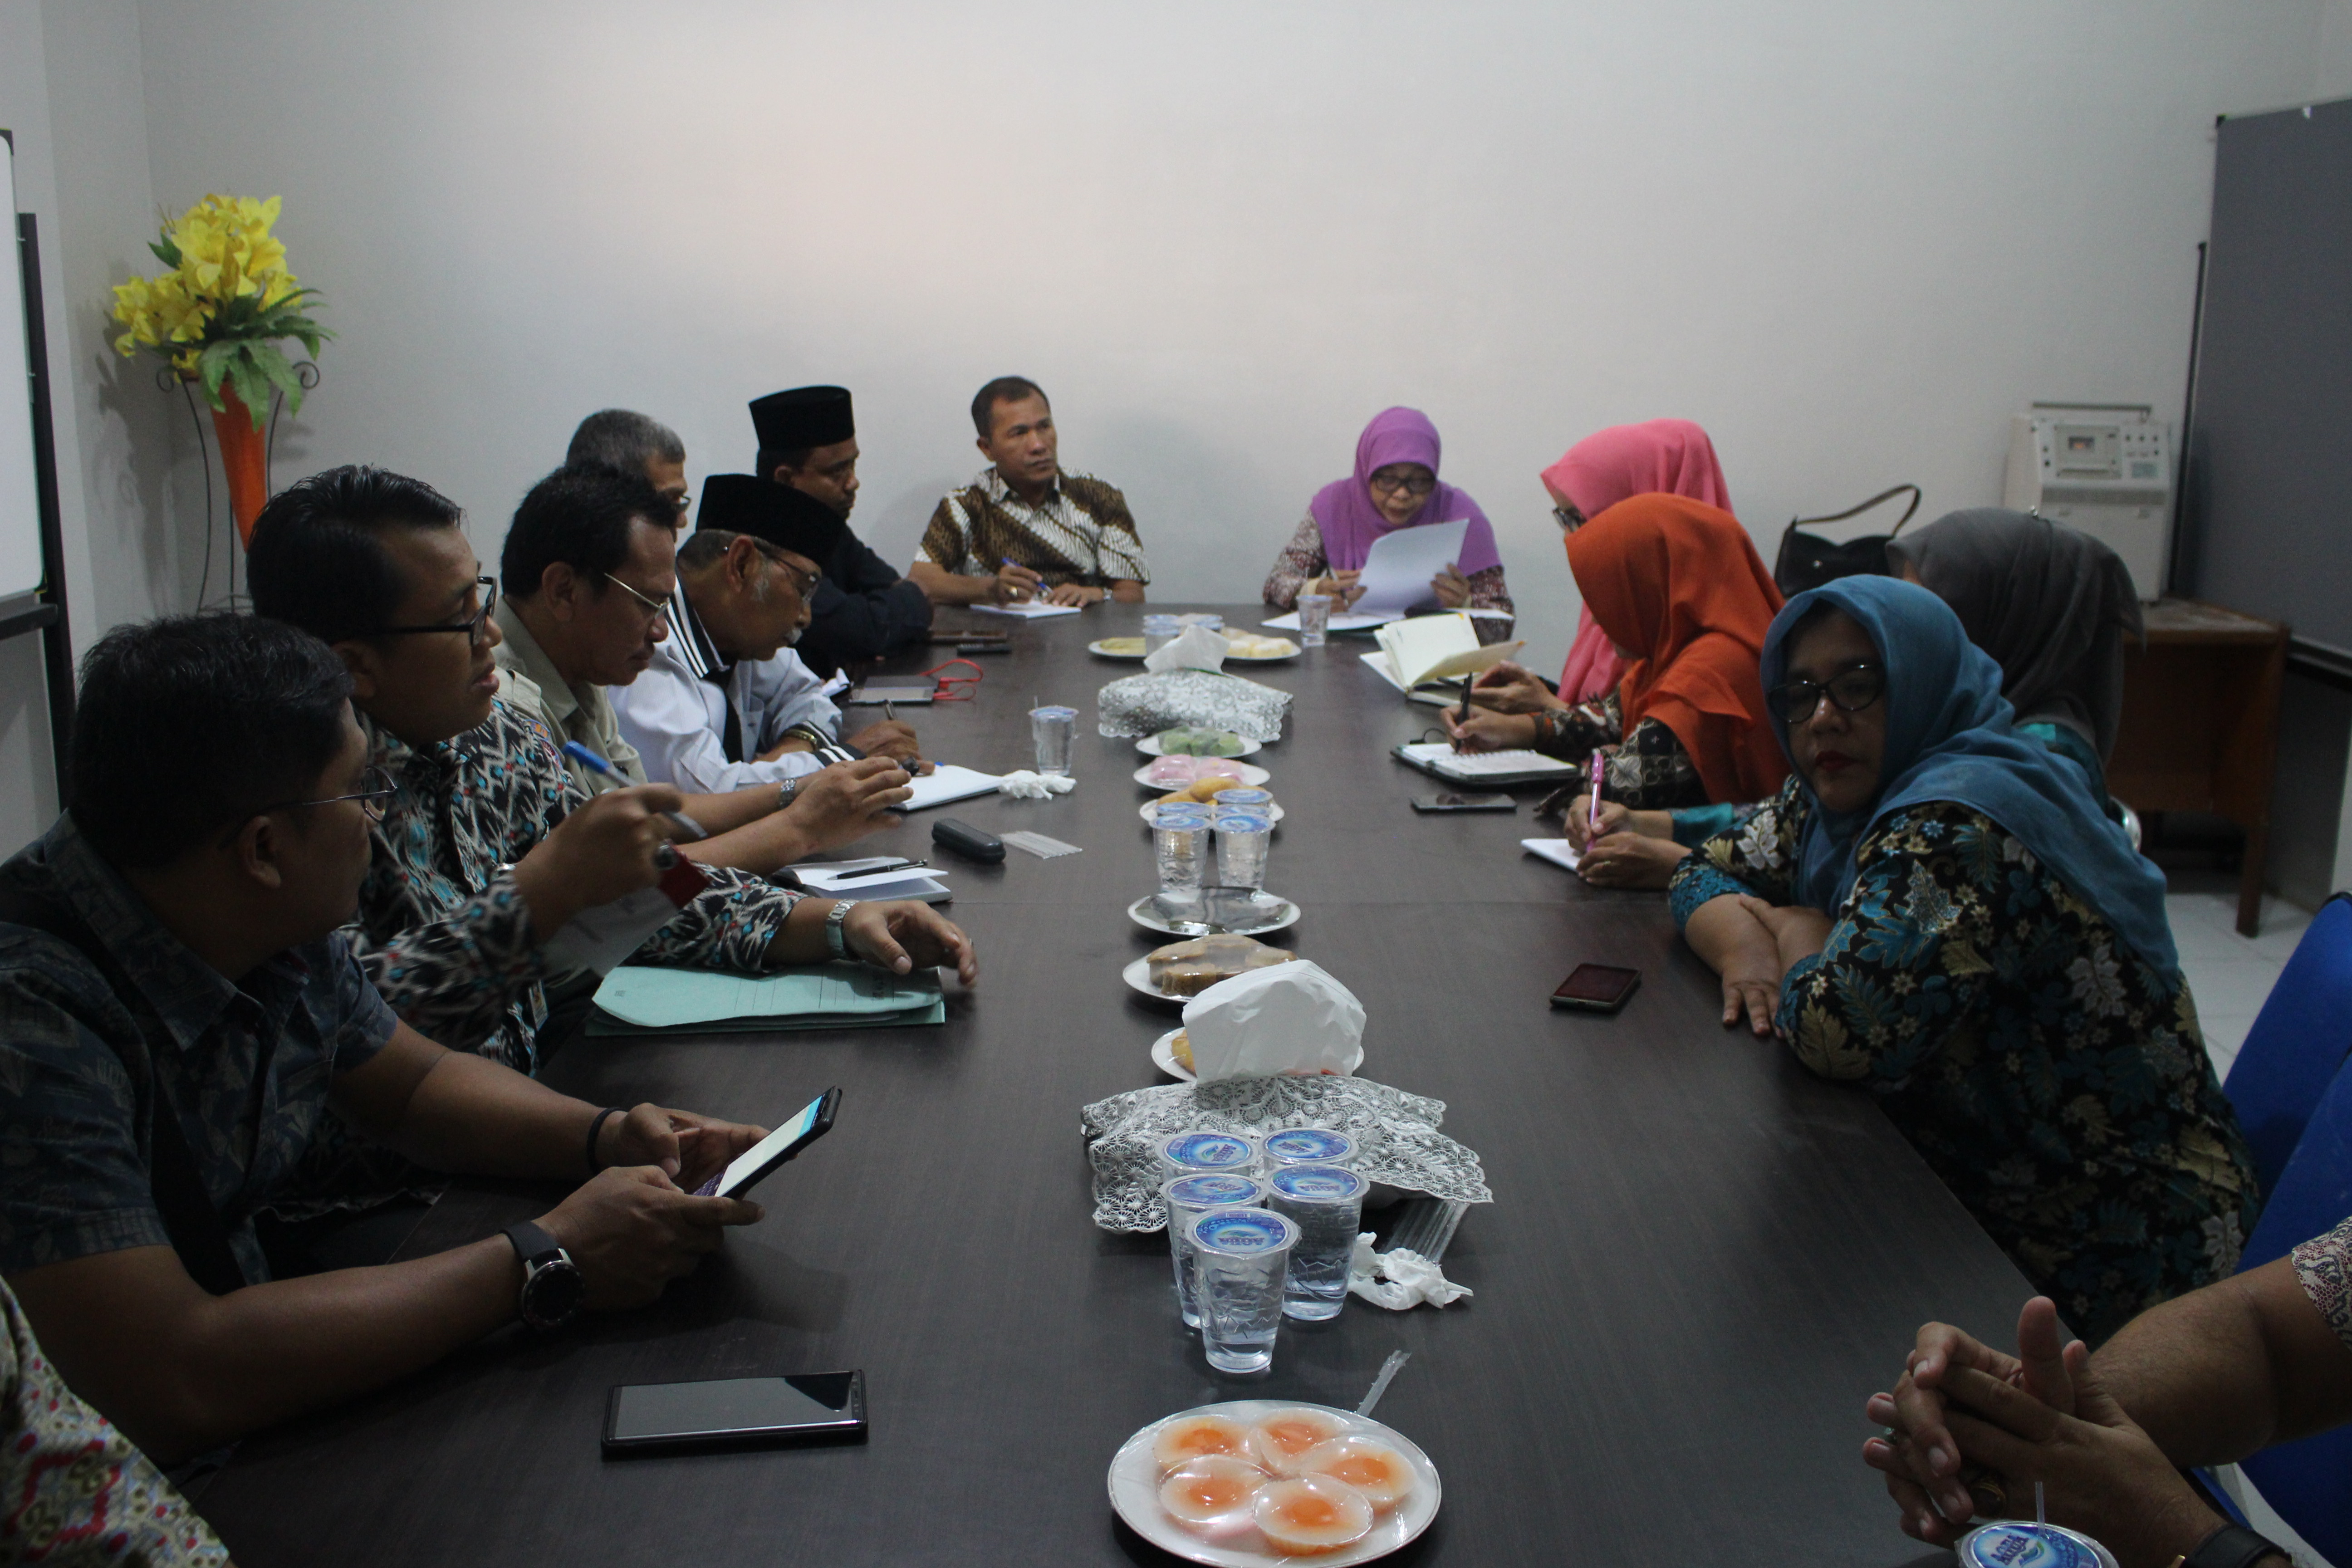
{"type": "Point", "coordinates": [687, 826]}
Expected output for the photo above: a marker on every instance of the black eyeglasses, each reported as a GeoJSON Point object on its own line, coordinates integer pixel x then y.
{"type": "Point", "coordinates": [1848, 691]}
{"type": "Point", "coordinates": [472, 628]}
{"type": "Point", "coordinates": [1568, 518]}
{"type": "Point", "coordinates": [1414, 484]}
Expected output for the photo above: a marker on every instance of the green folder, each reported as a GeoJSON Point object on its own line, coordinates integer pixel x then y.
{"type": "Point", "coordinates": [636, 999]}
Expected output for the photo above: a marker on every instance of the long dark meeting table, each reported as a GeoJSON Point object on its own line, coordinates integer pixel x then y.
{"type": "Point", "coordinates": [1699, 1261]}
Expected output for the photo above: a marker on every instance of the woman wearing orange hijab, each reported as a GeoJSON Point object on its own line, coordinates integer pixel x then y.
{"type": "Point", "coordinates": [1679, 591]}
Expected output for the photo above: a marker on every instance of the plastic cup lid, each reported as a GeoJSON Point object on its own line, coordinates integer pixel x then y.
{"type": "Point", "coordinates": [1053, 712]}
{"type": "Point", "coordinates": [1215, 1151]}
{"type": "Point", "coordinates": [1213, 1189]}
{"type": "Point", "coordinates": [2020, 1544]}
{"type": "Point", "coordinates": [1198, 814]}
{"type": "Point", "coordinates": [1319, 1183]}
{"type": "Point", "coordinates": [1310, 1145]}
{"type": "Point", "coordinates": [1243, 822]}
{"type": "Point", "coordinates": [1240, 1233]}
{"type": "Point", "coordinates": [1242, 796]}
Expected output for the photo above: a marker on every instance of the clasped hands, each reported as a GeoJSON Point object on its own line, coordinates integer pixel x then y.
{"type": "Point", "coordinates": [1450, 586]}
{"type": "Point", "coordinates": [1017, 584]}
{"type": "Point", "coordinates": [1970, 1430]}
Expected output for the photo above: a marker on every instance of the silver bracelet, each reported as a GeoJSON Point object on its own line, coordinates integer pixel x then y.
{"type": "Point", "coordinates": [834, 941]}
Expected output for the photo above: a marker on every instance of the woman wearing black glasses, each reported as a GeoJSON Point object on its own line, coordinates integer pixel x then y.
{"type": "Point", "coordinates": [1936, 906]}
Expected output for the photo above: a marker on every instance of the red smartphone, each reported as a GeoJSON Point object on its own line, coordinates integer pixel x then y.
{"type": "Point", "coordinates": [1597, 988]}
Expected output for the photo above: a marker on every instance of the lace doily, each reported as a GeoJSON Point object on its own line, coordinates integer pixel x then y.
{"type": "Point", "coordinates": [1397, 1140]}
{"type": "Point", "coordinates": [1147, 704]}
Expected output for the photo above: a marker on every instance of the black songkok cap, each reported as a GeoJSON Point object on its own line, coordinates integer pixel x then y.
{"type": "Point", "coordinates": [745, 503]}
{"type": "Point", "coordinates": [804, 417]}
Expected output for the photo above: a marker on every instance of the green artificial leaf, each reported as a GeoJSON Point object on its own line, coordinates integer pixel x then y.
{"type": "Point", "coordinates": [212, 365]}
{"type": "Point", "coordinates": [252, 385]}
{"type": "Point", "coordinates": [165, 251]}
{"type": "Point", "coordinates": [280, 374]}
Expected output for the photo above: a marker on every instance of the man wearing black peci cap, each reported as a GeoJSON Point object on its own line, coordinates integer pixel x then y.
{"type": "Point", "coordinates": [863, 608]}
{"type": "Point", "coordinates": [725, 703]}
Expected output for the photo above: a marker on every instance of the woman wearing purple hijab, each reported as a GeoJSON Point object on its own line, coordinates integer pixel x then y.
{"type": "Point", "coordinates": [1394, 486]}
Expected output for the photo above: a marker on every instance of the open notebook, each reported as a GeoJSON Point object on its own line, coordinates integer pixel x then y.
{"type": "Point", "coordinates": [944, 783]}
{"type": "Point", "coordinates": [1442, 761]}
{"type": "Point", "coordinates": [1434, 650]}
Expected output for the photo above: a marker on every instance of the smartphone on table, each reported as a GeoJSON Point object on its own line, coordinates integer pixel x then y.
{"type": "Point", "coordinates": [1597, 988]}
{"type": "Point", "coordinates": [735, 1413]}
{"type": "Point", "coordinates": [753, 1166]}
{"type": "Point", "coordinates": [1454, 800]}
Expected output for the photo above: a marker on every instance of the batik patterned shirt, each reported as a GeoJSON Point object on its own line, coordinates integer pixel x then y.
{"type": "Point", "coordinates": [74, 1493]}
{"type": "Point", "coordinates": [2324, 1267]}
{"type": "Point", "coordinates": [248, 1065]}
{"type": "Point", "coordinates": [442, 929]}
{"type": "Point", "coordinates": [1648, 770]}
{"type": "Point", "coordinates": [1081, 532]}
{"type": "Point", "coordinates": [2055, 1080]}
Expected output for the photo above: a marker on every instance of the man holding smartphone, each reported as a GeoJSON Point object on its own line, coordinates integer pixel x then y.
{"type": "Point", "coordinates": [179, 1014]}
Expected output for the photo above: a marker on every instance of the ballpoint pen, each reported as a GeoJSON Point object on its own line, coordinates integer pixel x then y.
{"type": "Point", "coordinates": [1593, 816]}
{"type": "Point", "coordinates": [878, 870]}
{"type": "Point", "coordinates": [687, 826]}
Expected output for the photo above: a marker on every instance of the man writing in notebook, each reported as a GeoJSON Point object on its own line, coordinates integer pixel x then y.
{"type": "Point", "coordinates": [725, 703]}
{"type": "Point", "coordinates": [588, 574]}
{"type": "Point", "coordinates": [179, 1015]}
{"type": "Point", "coordinates": [1025, 530]}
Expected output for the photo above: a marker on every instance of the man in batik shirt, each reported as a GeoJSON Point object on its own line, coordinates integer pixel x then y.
{"type": "Point", "coordinates": [1025, 530]}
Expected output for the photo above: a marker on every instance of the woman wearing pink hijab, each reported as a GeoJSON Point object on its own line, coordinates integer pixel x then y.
{"type": "Point", "coordinates": [1394, 486]}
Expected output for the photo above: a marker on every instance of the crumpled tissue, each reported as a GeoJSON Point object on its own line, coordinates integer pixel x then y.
{"type": "Point", "coordinates": [1290, 1018]}
{"type": "Point", "coordinates": [1410, 1279]}
{"type": "Point", "coordinates": [1023, 784]}
{"type": "Point", "coordinates": [1197, 648]}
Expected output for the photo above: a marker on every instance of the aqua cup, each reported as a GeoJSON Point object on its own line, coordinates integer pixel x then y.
{"type": "Point", "coordinates": [1054, 729]}
{"type": "Point", "coordinates": [1241, 797]}
{"type": "Point", "coordinates": [1308, 1146]}
{"type": "Point", "coordinates": [1206, 1149]}
{"type": "Point", "coordinates": [1326, 1203]}
{"type": "Point", "coordinates": [1314, 619]}
{"type": "Point", "coordinates": [1179, 843]}
{"type": "Point", "coordinates": [1196, 1194]}
{"type": "Point", "coordinates": [1242, 841]}
{"type": "Point", "coordinates": [1159, 631]}
{"type": "Point", "coordinates": [1240, 1260]}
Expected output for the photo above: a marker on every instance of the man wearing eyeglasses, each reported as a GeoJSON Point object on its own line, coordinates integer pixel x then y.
{"type": "Point", "coordinates": [589, 571]}
{"type": "Point", "coordinates": [725, 703]}
{"type": "Point", "coordinates": [490, 850]}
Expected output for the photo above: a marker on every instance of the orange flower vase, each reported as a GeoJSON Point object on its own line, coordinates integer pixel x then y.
{"type": "Point", "coordinates": [244, 459]}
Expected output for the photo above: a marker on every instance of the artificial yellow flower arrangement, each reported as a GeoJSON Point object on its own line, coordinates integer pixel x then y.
{"type": "Point", "coordinates": [216, 315]}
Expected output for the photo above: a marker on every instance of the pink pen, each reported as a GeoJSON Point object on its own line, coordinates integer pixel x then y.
{"type": "Point", "coordinates": [1594, 822]}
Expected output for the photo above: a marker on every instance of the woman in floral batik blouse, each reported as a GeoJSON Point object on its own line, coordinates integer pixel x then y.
{"type": "Point", "coordinates": [1935, 907]}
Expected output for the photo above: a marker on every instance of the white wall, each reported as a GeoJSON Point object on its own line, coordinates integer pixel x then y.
{"type": "Point", "coordinates": [1848, 238]}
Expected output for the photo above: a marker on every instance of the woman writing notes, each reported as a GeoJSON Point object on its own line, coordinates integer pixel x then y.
{"type": "Point", "coordinates": [1394, 486]}
{"type": "Point", "coordinates": [1685, 600]}
{"type": "Point", "coordinates": [1934, 906]}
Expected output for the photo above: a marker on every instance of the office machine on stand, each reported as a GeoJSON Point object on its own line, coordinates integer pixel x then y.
{"type": "Point", "coordinates": [2104, 469]}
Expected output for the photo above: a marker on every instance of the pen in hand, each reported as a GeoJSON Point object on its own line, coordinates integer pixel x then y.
{"type": "Point", "coordinates": [688, 828]}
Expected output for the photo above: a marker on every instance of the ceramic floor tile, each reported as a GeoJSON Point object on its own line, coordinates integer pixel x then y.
{"type": "Point", "coordinates": [2230, 987]}
{"type": "Point", "coordinates": [2225, 1036]}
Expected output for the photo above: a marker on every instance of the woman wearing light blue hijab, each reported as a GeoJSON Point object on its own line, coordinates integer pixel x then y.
{"type": "Point", "coordinates": [1936, 906]}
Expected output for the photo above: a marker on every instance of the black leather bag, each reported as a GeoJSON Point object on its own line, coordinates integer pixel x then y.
{"type": "Point", "coordinates": [1808, 561]}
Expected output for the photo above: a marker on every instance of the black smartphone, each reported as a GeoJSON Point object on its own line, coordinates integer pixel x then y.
{"type": "Point", "coordinates": [1597, 987]}
{"type": "Point", "coordinates": [1451, 800]}
{"type": "Point", "coordinates": [735, 1413]}
{"type": "Point", "coordinates": [750, 1168]}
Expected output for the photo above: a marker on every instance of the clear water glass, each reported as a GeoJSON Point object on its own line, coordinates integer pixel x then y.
{"type": "Point", "coordinates": [1314, 619]}
{"type": "Point", "coordinates": [1326, 1203]}
{"type": "Point", "coordinates": [1179, 841]}
{"type": "Point", "coordinates": [1159, 631]}
{"type": "Point", "coordinates": [1308, 1146]}
{"type": "Point", "coordinates": [1197, 1195]}
{"type": "Point", "coordinates": [1206, 1149]}
{"type": "Point", "coordinates": [1054, 729]}
{"type": "Point", "coordinates": [1201, 618]}
{"type": "Point", "coordinates": [1242, 841]}
{"type": "Point", "coordinates": [1240, 1258]}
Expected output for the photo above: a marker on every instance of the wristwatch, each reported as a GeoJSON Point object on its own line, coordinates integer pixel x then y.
{"type": "Point", "coordinates": [834, 941]}
{"type": "Point", "coordinates": [2231, 1546]}
{"type": "Point", "coordinates": [786, 790]}
{"type": "Point", "coordinates": [552, 1290]}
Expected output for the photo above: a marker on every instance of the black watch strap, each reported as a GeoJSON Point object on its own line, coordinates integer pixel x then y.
{"type": "Point", "coordinates": [530, 1243]}
{"type": "Point", "coordinates": [2231, 1546]}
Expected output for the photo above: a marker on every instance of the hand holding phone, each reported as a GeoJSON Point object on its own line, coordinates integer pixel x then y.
{"type": "Point", "coordinates": [750, 1168]}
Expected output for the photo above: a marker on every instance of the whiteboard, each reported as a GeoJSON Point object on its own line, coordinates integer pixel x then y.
{"type": "Point", "coordinates": [20, 496]}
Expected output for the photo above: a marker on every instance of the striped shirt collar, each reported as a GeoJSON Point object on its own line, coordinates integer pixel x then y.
{"type": "Point", "coordinates": [694, 646]}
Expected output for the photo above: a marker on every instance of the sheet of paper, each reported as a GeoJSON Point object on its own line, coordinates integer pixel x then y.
{"type": "Point", "coordinates": [824, 875]}
{"type": "Point", "coordinates": [1397, 571]}
{"type": "Point", "coordinates": [1467, 765]}
{"type": "Point", "coordinates": [1558, 851]}
{"type": "Point", "coordinates": [947, 783]}
{"type": "Point", "coordinates": [1031, 611]}
{"type": "Point", "coordinates": [659, 998]}
{"type": "Point", "coordinates": [1351, 621]}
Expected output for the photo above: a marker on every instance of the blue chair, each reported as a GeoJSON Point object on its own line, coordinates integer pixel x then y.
{"type": "Point", "coordinates": [2299, 1041]}
{"type": "Point", "coordinates": [2310, 1483]}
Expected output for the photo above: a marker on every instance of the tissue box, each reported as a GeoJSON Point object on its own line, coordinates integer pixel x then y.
{"type": "Point", "coordinates": [1147, 704]}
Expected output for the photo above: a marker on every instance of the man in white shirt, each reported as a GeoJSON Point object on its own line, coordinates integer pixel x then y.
{"type": "Point", "coordinates": [725, 703]}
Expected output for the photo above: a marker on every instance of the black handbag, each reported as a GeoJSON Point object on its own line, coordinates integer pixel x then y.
{"type": "Point", "coordinates": [1808, 561]}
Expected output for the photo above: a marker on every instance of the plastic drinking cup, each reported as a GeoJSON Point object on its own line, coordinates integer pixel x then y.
{"type": "Point", "coordinates": [1205, 1149]}
{"type": "Point", "coordinates": [1242, 798]}
{"type": "Point", "coordinates": [1159, 631]}
{"type": "Point", "coordinates": [1308, 1146]}
{"type": "Point", "coordinates": [1242, 841]}
{"type": "Point", "coordinates": [1196, 1194]}
{"type": "Point", "coordinates": [1054, 729]}
{"type": "Point", "coordinates": [1326, 1203]}
{"type": "Point", "coordinates": [1179, 843]}
{"type": "Point", "coordinates": [1201, 618]}
{"type": "Point", "coordinates": [1314, 619]}
{"type": "Point", "coordinates": [1240, 1260]}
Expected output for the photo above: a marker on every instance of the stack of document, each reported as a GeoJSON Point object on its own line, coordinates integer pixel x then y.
{"type": "Point", "coordinates": [842, 880]}
{"type": "Point", "coordinates": [640, 999]}
{"type": "Point", "coordinates": [1436, 651]}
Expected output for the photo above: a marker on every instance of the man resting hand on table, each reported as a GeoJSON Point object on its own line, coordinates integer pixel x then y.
{"type": "Point", "coordinates": [178, 1016]}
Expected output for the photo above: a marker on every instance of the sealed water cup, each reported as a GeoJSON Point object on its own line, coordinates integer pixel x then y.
{"type": "Point", "coordinates": [1308, 1146]}
{"type": "Point", "coordinates": [2022, 1543]}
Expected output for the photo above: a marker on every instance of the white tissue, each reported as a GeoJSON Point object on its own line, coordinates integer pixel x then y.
{"type": "Point", "coordinates": [1411, 1279]}
{"type": "Point", "coordinates": [1023, 784]}
{"type": "Point", "coordinates": [1197, 648]}
{"type": "Point", "coordinates": [1286, 1018]}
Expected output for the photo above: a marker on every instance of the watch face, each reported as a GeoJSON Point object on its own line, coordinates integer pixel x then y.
{"type": "Point", "coordinates": [552, 1295]}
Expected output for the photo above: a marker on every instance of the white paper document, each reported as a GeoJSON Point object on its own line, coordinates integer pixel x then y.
{"type": "Point", "coordinates": [842, 877]}
{"type": "Point", "coordinates": [1443, 759]}
{"type": "Point", "coordinates": [1348, 621]}
{"type": "Point", "coordinates": [1558, 851]}
{"type": "Point", "coordinates": [945, 783]}
{"type": "Point", "coordinates": [1029, 611]}
{"type": "Point", "coordinates": [1397, 571]}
